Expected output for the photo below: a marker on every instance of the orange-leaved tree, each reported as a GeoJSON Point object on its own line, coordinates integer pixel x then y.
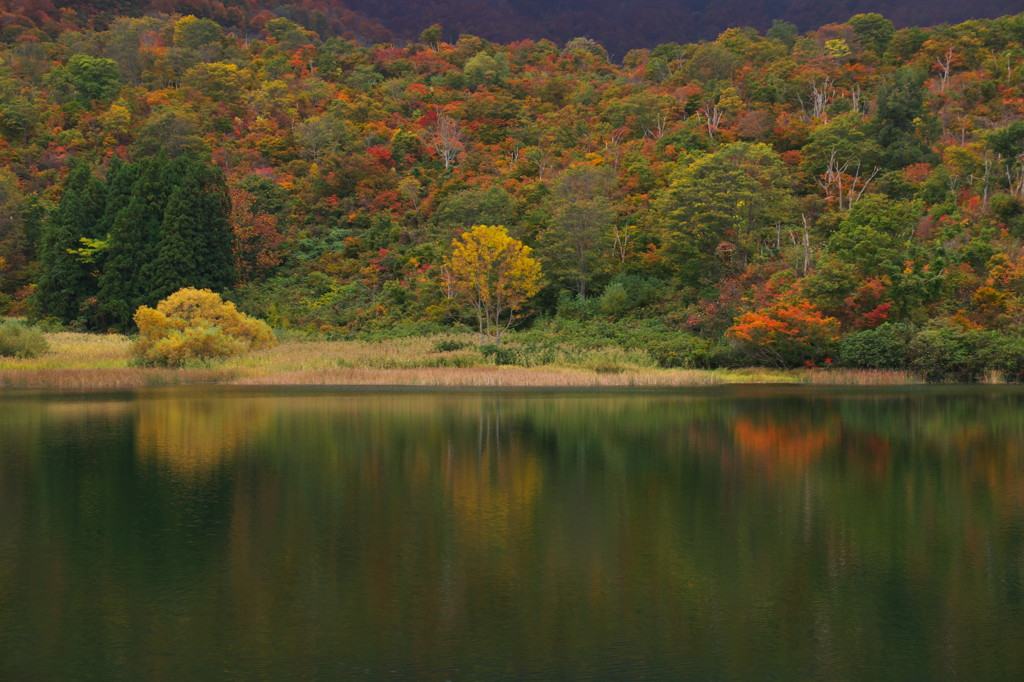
{"type": "Point", "coordinates": [785, 334]}
{"type": "Point", "coordinates": [494, 274]}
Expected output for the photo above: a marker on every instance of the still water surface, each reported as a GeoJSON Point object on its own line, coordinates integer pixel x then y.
{"type": "Point", "coordinates": [732, 534]}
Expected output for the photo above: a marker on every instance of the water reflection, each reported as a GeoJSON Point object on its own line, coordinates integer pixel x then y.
{"type": "Point", "coordinates": [193, 436]}
{"type": "Point", "coordinates": [723, 535]}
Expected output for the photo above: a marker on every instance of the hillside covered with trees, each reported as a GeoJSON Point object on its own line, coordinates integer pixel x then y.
{"type": "Point", "coordinates": [778, 198]}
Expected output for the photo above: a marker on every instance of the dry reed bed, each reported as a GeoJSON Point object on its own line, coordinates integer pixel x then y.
{"type": "Point", "coordinates": [859, 377]}
{"type": "Point", "coordinates": [328, 355]}
{"type": "Point", "coordinates": [486, 376]}
{"type": "Point", "coordinates": [109, 379]}
{"type": "Point", "coordinates": [481, 377]}
{"type": "Point", "coordinates": [70, 350]}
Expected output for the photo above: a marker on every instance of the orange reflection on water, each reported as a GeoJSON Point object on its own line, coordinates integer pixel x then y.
{"type": "Point", "coordinates": [789, 446]}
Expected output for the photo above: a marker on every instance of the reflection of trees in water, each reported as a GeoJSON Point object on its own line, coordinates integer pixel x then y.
{"type": "Point", "coordinates": [423, 515]}
{"type": "Point", "coordinates": [193, 436]}
{"type": "Point", "coordinates": [493, 487]}
{"type": "Point", "coordinates": [27, 425]}
{"type": "Point", "coordinates": [787, 445]}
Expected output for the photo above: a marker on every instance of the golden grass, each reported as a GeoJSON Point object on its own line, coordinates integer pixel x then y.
{"type": "Point", "coordinates": [109, 379]}
{"type": "Point", "coordinates": [100, 362]}
{"type": "Point", "coordinates": [70, 350]}
{"type": "Point", "coordinates": [858, 377]}
{"type": "Point", "coordinates": [293, 356]}
{"type": "Point", "coordinates": [524, 377]}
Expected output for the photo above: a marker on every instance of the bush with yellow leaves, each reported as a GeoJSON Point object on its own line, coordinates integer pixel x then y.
{"type": "Point", "coordinates": [194, 325]}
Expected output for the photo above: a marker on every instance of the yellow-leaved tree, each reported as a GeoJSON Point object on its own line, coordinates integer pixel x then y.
{"type": "Point", "coordinates": [196, 324]}
{"type": "Point", "coordinates": [494, 274]}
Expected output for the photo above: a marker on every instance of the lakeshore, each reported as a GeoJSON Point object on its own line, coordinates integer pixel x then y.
{"type": "Point", "coordinates": [78, 361]}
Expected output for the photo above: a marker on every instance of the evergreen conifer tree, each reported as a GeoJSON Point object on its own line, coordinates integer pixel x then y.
{"type": "Point", "coordinates": [138, 197]}
{"type": "Point", "coordinates": [195, 242]}
{"type": "Point", "coordinates": [65, 281]}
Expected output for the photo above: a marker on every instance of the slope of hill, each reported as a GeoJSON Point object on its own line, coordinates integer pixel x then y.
{"type": "Point", "coordinates": [771, 195]}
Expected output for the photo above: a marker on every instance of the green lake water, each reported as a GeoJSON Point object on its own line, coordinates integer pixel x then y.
{"type": "Point", "coordinates": [744, 533]}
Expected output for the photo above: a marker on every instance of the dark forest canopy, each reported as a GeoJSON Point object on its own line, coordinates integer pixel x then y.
{"type": "Point", "coordinates": [783, 191]}
{"type": "Point", "coordinates": [618, 26]}
{"type": "Point", "coordinates": [622, 26]}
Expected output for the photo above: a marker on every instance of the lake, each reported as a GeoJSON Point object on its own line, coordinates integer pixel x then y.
{"type": "Point", "coordinates": [739, 533]}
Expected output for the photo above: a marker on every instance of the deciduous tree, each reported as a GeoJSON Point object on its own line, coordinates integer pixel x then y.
{"type": "Point", "coordinates": [724, 208]}
{"type": "Point", "coordinates": [494, 274]}
{"type": "Point", "coordinates": [785, 335]}
{"type": "Point", "coordinates": [582, 213]}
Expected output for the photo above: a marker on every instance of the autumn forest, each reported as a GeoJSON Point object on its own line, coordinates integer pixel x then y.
{"type": "Point", "coordinates": [850, 195]}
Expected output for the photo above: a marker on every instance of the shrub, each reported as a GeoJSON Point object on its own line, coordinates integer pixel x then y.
{"type": "Point", "coordinates": [724, 354]}
{"type": "Point", "coordinates": [626, 292]}
{"type": "Point", "coordinates": [20, 340]}
{"type": "Point", "coordinates": [452, 360]}
{"type": "Point", "coordinates": [605, 367]}
{"type": "Point", "coordinates": [679, 350]}
{"type": "Point", "coordinates": [949, 354]}
{"type": "Point", "coordinates": [449, 345]}
{"type": "Point", "coordinates": [642, 289]}
{"type": "Point", "coordinates": [502, 355]}
{"type": "Point", "coordinates": [528, 355]}
{"type": "Point", "coordinates": [614, 301]}
{"type": "Point", "coordinates": [884, 347]}
{"type": "Point", "coordinates": [1006, 353]}
{"type": "Point", "coordinates": [572, 307]}
{"type": "Point", "coordinates": [194, 325]}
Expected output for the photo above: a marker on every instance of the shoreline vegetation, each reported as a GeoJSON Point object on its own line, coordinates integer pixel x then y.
{"type": "Point", "coordinates": [81, 361]}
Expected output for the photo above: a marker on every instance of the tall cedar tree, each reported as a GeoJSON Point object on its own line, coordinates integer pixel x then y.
{"type": "Point", "coordinates": [65, 282]}
{"type": "Point", "coordinates": [138, 196]}
{"type": "Point", "coordinates": [195, 245]}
